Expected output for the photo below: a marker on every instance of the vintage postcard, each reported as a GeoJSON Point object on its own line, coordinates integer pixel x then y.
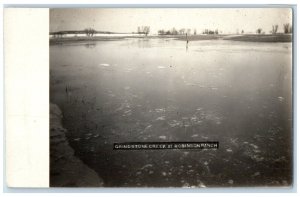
{"type": "Point", "coordinates": [174, 97]}
{"type": "Point", "coordinates": [153, 97]}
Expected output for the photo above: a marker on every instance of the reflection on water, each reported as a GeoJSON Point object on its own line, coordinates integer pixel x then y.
{"type": "Point", "coordinates": [147, 90]}
{"type": "Point", "coordinates": [90, 45]}
{"type": "Point", "coordinates": [143, 43]}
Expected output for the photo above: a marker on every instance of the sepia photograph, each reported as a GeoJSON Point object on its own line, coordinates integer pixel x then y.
{"type": "Point", "coordinates": [171, 97]}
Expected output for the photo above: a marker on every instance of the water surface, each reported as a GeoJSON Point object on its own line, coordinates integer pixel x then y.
{"type": "Point", "coordinates": [145, 90]}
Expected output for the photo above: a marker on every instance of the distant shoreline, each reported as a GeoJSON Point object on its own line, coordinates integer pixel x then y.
{"type": "Point", "coordinates": [244, 37]}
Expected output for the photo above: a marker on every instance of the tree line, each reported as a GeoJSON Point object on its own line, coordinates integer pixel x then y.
{"type": "Point", "coordinates": [174, 31]}
{"type": "Point", "coordinates": [287, 29]}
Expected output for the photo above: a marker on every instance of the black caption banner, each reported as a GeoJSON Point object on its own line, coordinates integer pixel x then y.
{"type": "Point", "coordinates": [165, 145]}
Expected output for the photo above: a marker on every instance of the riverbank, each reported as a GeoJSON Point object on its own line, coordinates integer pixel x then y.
{"type": "Point", "coordinates": [261, 38]}
{"type": "Point", "coordinates": [66, 170]}
{"type": "Point", "coordinates": [244, 37]}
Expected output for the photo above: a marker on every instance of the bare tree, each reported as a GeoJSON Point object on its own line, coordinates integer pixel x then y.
{"type": "Point", "coordinates": [182, 31]}
{"type": "Point", "coordinates": [174, 31]}
{"type": "Point", "coordinates": [259, 31]}
{"type": "Point", "coordinates": [274, 29]}
{"type": "Point", "coordinates": [287, 28]}
{"type": "Point", "coordinates": [147, 30]}
{"type": "Point", "coordinates": [161, 32]}
{"type": "Point", "coordinates": [144, 30]}
{"type": "Point", "coordinates": [89, 32]}
{"type": "Point", "coordinates": [188, 31]}
{"type": "Point", "coordinates": [208, 31]}
{"type": "Point", "coordinates": [168, 32]}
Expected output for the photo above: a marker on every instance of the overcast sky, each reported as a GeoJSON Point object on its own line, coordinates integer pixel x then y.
{"type": "Point", "coordinates": [227, 20]}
